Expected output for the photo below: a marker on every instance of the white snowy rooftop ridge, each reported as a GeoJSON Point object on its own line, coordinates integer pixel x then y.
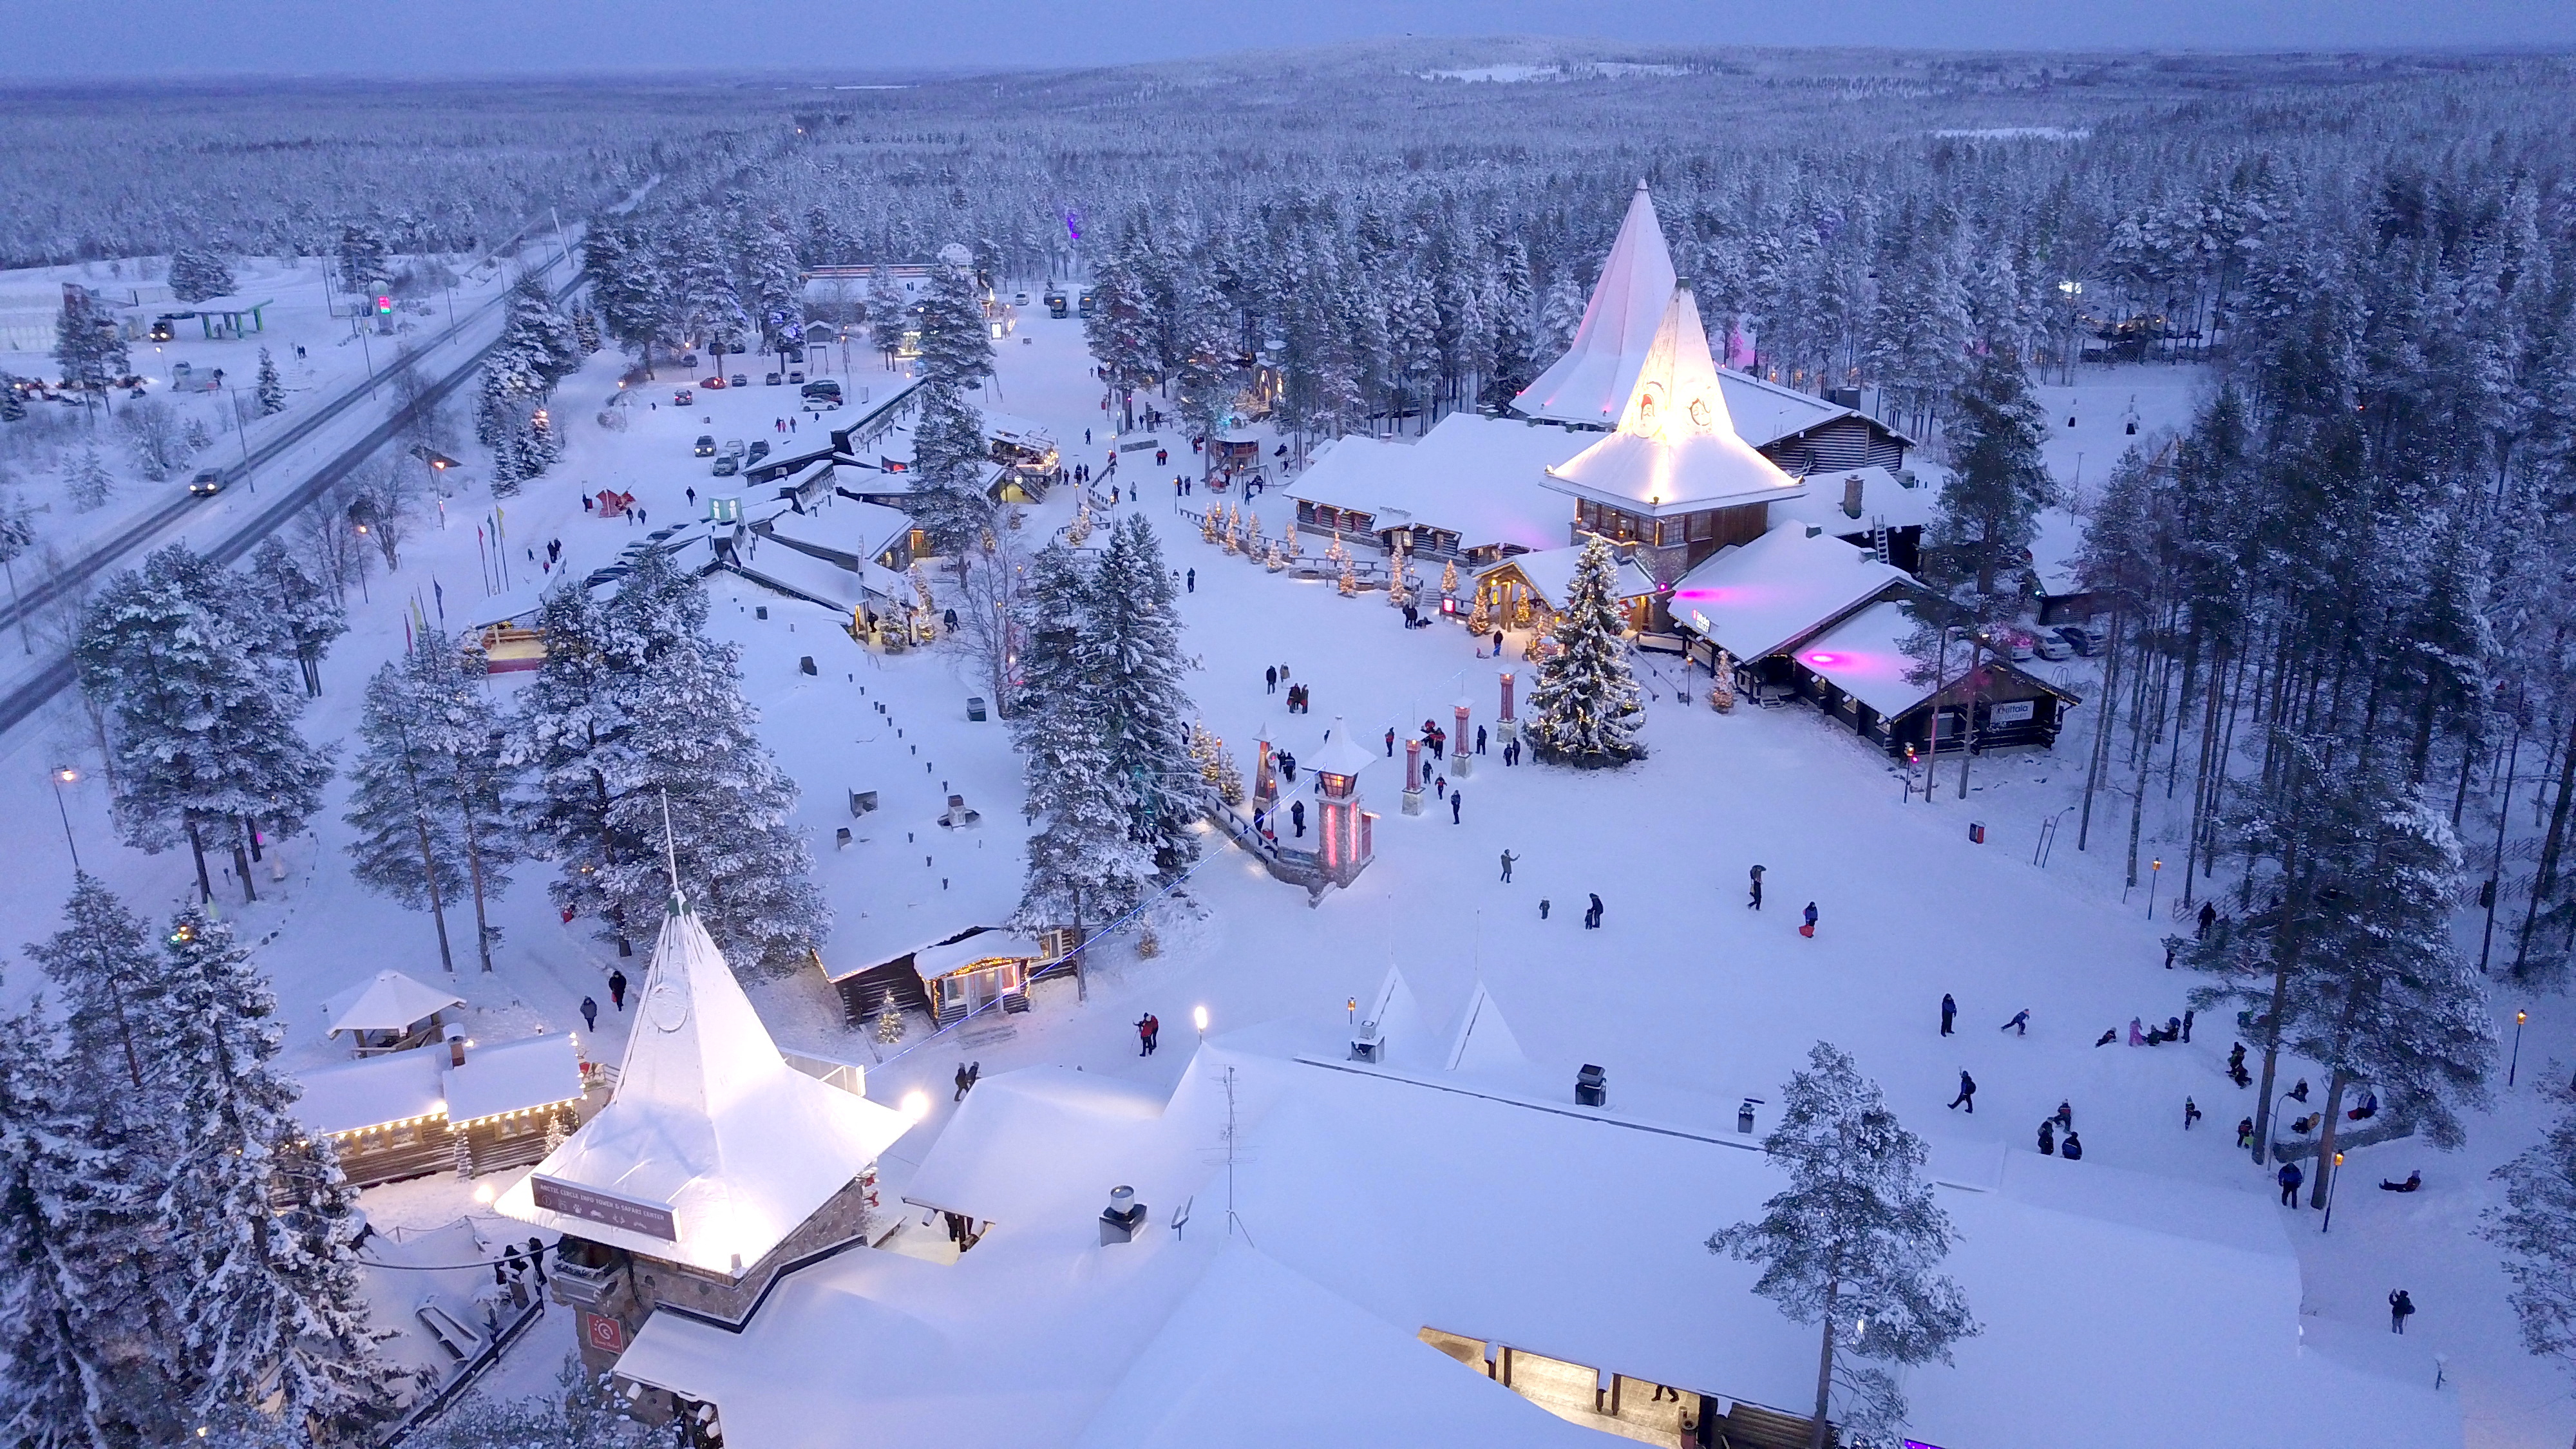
{"type": "Point", "coordinates": [1594, 379]}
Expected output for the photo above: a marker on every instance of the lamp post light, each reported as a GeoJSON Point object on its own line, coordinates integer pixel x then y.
{"type": "Point", "coordinates": [1198, 1017]}
{"type": "Point", "coordinates": [66, 775]}
{"type": "Point", "coordinates": [2155, 876]}
{"type": "Point", "coordinates": [2332, 1183]}
{"type": "Point", "coordinates": [2515, 1066]}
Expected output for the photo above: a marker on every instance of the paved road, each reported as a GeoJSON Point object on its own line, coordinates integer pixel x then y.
{"type": "Point", "coordinates": [30, 692]}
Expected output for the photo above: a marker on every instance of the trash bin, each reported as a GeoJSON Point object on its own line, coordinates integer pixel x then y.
{"type": "Point", "coordinates": [1976, 832]}
{"type": "Point", "coordinates": [1591, 1088]}
{"type": "Point", "coordinates": [975, 708]}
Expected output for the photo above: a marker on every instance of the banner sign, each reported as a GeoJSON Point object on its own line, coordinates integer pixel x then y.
{"type": "Point", "coordinates": [652, 1219]}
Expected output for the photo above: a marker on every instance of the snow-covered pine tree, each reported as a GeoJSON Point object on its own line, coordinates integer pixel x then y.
{"type": "Point", "coordinates": [889, 315]}
{"type": "Point", "coordinates": [366, 264]}
{"type": "Point", "coordinates": [537, 349]}
{"type": "Point", "coordinates": [305, 615]}
{"type": "Point", "coordinates": [197, 273]}
{"type": "Point", "coordinates": [705, 302]}
{"type": "Point", "coordinates": [269, 1308]}
{"type": "Point", "coordinates": [575, 709]}
{"type": "Point", "coordinates": [1083, 868]}
{"type": "Point", "coordinates": [950, 461]}
{"type": "Point", "coordinates": [1584, 709]}
{"type": "Point", "coordinates": [108, 975]}
{"type": "Point", "coordinates": [85, 1371]}
{"type": "Point", "coordinates": [270, 390]}
{"type": "Point", "coordinates": [87, 479]}
{"type": "Point", "coordinates": [433, 823]}
{"type": "Point", "coordinates": [2536, 1228]}
{"type": "Point", "coordinates": [1562, 313]}
{"type": "Point", "coordinates": [1510, 310]}
{"type": "Point", "coordinates": [1132, 651]}
{"type": "Point", "coordinates": [585, 330]}
{"type": "Point", "coordinates": [200, 722]}
{"type": "Point", "coordinates": [1990, 507]}
{"type": "Point", "coordinates": [87, 343]}
{"type": "Point", "coordinates": [13, 403]}
{"type": "Point", "coordinates": [1855, 1243]}
{"type": "Point", "coordinates": [584, 1412]}
{"type": "Point", "coordinates": [776, 283]}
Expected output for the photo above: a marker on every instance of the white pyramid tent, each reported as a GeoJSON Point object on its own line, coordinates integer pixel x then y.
{"type": "Point", "coordinates": [1595, 377]}
{"type": "Point", "coordinates": [1675, 449]}
{"type": "Point", "coordinates": [714, 1149]}
{"type": "Point", "coordinates": [1485, 1042]}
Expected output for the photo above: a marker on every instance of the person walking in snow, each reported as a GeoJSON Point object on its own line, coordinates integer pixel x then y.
{"type": "Point", "coordinates": [617, 989]}
{"type": "Point", "coordinates": [1967, 1094]}
{"type": "Point", "coordinates": [1949, 1012]}
{"type": "Point", "coordinates": [1440, 787]}
{"type": "Point", "coordinates": [2400, 1308]}
{"type": "Point", "coordinates": [1508, 858]}
{"type": "Point", "coordinates": [2137, 1037]}
{"type": "Point", "coordinates": [965, 1080]}
{"type": "Point", "coordinates": [1390, 742]}
{"type": "Point", "coordinates": [2245, 1132]}
{"type": "Point", "coordinates": [1542, 908]}
{"type": "Point", "coordinates": [2290, 1177]}
{"type": "Point", "coordinates": [2190, 1113]}
{"type": "Point", "coordinates": [2065, 1118]}
{"type": "Point", "coordinates": [1297, 817]}
{"type": "Point", "coordinates": [2186, 1022]}
{"type": "Point", "coordinates": [1754, 903]}
{"type": "Point", "coordinates": [2208, 918]}
{"type": "Point", "coordinates": [1146, 1028]}
{"type": "Point", "coordinates": [1808, 929]}
{"type": "Point", "coordinates": [1455, 796]}
{"type": "Point", "coordinates": [589, 1014]}
{"type": "Point", "coordinates": [2072, 1149]}
{"type": "Point", "coordinates": [1271, 676]}
{"type": "Point", "coordinates": [2020, 1024]}
{"type": "Point", "coordinates": [1592, 917]}
{"type": "Point", "coordinates": [1480, 739]}
{"type": "Point", "coordinates": [2047, 1138]}
{"type": "Point", "coordinates": [1194, 581]}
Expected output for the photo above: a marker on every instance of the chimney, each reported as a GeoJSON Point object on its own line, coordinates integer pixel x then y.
{"type": "Point", "coordinates": [1851, 496]}
{"type": "Point", "coordinates": [455, 1046]}
{"type": "Point", "coordinates": [1591, 1088]}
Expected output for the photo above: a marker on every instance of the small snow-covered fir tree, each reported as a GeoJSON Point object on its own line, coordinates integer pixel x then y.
{"type": "Point", "coordinates": [271, 389]}
{"type": "Point", "coordinates": [2536, 1228]}
{"type": "Point", "coordinates": [305, 615]}
{"type": "Point", "coordinates": [13, 403]}
{"type": "Point", "coordinates": [200, 721]}
{"type": "Point", "coordinates": [1854, 1243]}
{"type": "Point", "coordinates": [197, 273]}
{"type": "Point", "coordinates": [1990, 507]}
{"type": "Point", "coordinates": [537, 349]}
{"type": "Point", "coordinates": [366, 263]}
{"type": "Point", "coordinates": [889, 315]}
{"type": "Point", "coordinates": [950, 461]}
{"type": "Point", "coordinates": [1721, 690]}
{"type": "Point", "coordinates": [1584, 710]}
{"type": "Point", "coordinates": [434, 826]}
{"type": "Point", "coordinates": [1132, 649]}
{"type": "Point", "coordinates": [956, 348]}
{"type": "Point", "coordinates": [107, 973]}
{"type": "Point", "coordinates": [270, 1311]}
{"type": "Point", "coordinates": [585, 330]}
{"type": "Point", "coordinates": [88, 480]}
{"type": "Point", "coordinates": [84, 1368]}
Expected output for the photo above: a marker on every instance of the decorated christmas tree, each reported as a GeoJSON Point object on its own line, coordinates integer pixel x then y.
{"type": "Point", "coordinates": [1721, 692]}
{"type": "Point", "coordinates": [1585, 710]}
{"type": "Point", "coordinates": [889, 1022]}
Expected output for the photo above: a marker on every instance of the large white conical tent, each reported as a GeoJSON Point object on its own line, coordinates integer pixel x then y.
{"type": "Point", "coordinates": [714, 1149]}
{"type": "Point", "coordinates": [1593, 380]}
{"type": "Point", "coordinates": [1675, 447]}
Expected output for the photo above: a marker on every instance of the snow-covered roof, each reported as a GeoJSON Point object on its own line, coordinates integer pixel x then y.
{"type": "Point", "coordinates": [1478, 477]}
{"type": "Point", "coordinates": [395, 1087]}
{"type": "Point", "coordinates": [1758, 598]}
{"type": "Point", "coordinates": [1019, 431]}
{"type": "Point", "coordinates": [1382, 1199]}
{"type": "Point", "coordinates": [1864, 656]}
{"type": "Point", "coordinates": [1341, 753]}
{"type": "Point", "coordinates": [1884, 502]}
{"type": "Point", "coordinates": [820, 581]}
{"type": "Point", "coordinates": [512, 1076]}
{"type": "Point", "coordinates": [1593, 380]}
{"type": "Point", "coordinates": [1675, 448]}
{"type": "Point", "coordinates": [1765, 412]}
{"type": "Point", "coordinates": [1551, 573]}
{"type": "Point", "coordinates": [387, 1001]}
{"type": "Point", "coordinates": [844, 526]}
{"type": "Point", "coordinates": [709, 1122]}
{"type": "Point", "coordinates": [932, 962]}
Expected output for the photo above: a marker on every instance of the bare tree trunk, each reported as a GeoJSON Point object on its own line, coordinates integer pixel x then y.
{"type": "Point", "coordinates": [2335, 1083]}
{"type": "Point", "coordinates": [2102, 731]}
{"type": "Point", "coordinates": [1824, 1372]}
{"type": "Point", "coordinates": [197, 848]}
{"type": "Point", "coordinates": [429, 877]}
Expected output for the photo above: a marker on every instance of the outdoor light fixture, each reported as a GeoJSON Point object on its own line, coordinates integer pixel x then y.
{"type": "Point", "coordinates": [916, 1104]}
{"type": "Point", "coordinates": [1199, 1015]}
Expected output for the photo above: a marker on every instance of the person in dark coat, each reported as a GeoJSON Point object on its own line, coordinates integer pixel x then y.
{"type": "Point", "coordinates": [537, 1258]}
{"type": "Point", "coordinates": [2400, 1308]}
{"type": "Point", "coordinates": [2020, 1024]}
{"type": "Point", "coordinates": [2190, 1113]}
{"type": "Point", "coordinates": [1194, 581]}
{"type": "Point", "coordinates": [1592, 917]}
{"type": "Point", "coordinates": [1967, 1093]}
{"type": "Point", "coordinates": [2047, 1138]}
{"type": "Point", "coordinates": [1508, 858]}
{"type": "Point", "coordinates": [589, 1014]}
{"type": "Point", "coordinates": [2244, 1131]}
{"type": "Point", "coordinates": [1271, 677]}
{"type": "Point", "coordinates": [2186, 1023]}
{"type": "Point", "coordinates": [1754, 903]}
{"type": "Point", "coordinates": [1480, 739]}
{"type": "Point", "coordinates": [1390, 744]}
{"type": "Point", "coordinates": [1297, 817]}
{"type": "Point", "coordinates": [617, 988]}
{"type": "Point", "coordinates": [2108, 1037]}
{"type": "Point", "coordinates": [1809, 929]}
{"type": "Point", "coordinates": [1146, 1029]}
{"type": "Point", "coordinates": [2072, 1149]}
{"type": "Point", "coordinates": [964, 1083]}
{"type": "Point", "coordinates": [1454, 797]}
{"type": "Point", "coordinates": [2414, 1183]}
{"type": "Point", "coordinates": [1542, 908]}
{"type": "Point", "coordinates": [2290, 1177]}
{"type": "Point", "coordinates": [2065, 1116]}
{"type": "Point", "coordinates": [2208, 918]}
{"type": "Point", "coordinates": [1949, 1011]}
{"type": "Point", "coordinates": [2301, 1090]}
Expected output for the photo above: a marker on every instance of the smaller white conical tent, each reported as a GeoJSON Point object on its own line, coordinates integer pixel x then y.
{"type": "Point", "coordinates": [1485, 1042]}
{"type": "Point", "coordinates": [714, 1149]}
{"type": "Point", "coordinates": [1675, 449]}
{"type": "Point", "coordinates": [1594, 378]}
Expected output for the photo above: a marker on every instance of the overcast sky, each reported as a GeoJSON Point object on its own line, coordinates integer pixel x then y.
{"type": "Point", "coordinates": [47, 39]}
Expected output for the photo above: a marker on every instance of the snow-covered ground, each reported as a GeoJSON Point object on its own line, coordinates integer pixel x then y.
{"type": "Point", "coordinates": [1688, 999]}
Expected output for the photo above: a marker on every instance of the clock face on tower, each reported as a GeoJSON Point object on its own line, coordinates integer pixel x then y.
{"type": "Point", "coordinates": [1699, 411]}
{"type": "Point", "coordinates": [667, 1007]}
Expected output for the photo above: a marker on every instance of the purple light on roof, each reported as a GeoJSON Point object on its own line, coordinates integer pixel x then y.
{"type": "Point", "coordinates": [1821, 657]}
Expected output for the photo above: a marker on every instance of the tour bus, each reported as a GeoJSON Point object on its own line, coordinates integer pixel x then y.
{"type": "Point", "coordinates": [1055, 303]}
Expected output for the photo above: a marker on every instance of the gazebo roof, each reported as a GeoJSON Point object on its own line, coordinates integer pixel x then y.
{"type": "Point", "coordinates": [1342, 754]}
{"type": "Point", "coordinates": [390, 1001]}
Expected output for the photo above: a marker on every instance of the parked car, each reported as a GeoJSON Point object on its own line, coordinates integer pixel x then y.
{"type": "Point", "coordinates": [797, 375]}
{"type": "Point", "coordinates": [733, 447]}
{"type": "Point", "coordinates": [759, 450]}
{"type": "Point", "coordinates": [769, 379]}
{"type": "Point", "coordinates": [728, 465]}
{"type": "Point", "coordinates": [712, 383]}
{"type": "Point", "coordinates": [793, 354]}
{"type": "Point", "coordinates": [685, 397]}
{"type": "Point", "coordinates": [689, 361]}
{"type": "Point", "coordinates": [2017, 643]}
{"type": "Point", "coordinates": [207, 483]}
{"type": "Point", "coordinates": [2086, 639]}
{"type": "Point", "coordinates": [2052, 647]}
{"type": "Point", "coordinates": [740, 380]}
{"type": "Point", "coordinates": [706, 445]}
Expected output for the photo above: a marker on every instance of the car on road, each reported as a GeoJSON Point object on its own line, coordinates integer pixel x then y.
{"type": "Point", "coordinates": [712, 383]}
{"type": "Point", "coordinates": [769, 379]}
{"type": "Point", "coordinates": [733, 447]}
{"type": "Point", "coordinates": [728, 465]}
{"type": "Point", "coordinates": [759, 450]}
{"type": "Point", "coordinates": [706, 447]}
{"type": "Point", "coordinates": [796, 375]}
{"type": "Point", "coordinates": [740, 380]}
{"type": "Point", "coordinates": [207, 483]}
{"type": "Point", "coordinates": [685, 397]}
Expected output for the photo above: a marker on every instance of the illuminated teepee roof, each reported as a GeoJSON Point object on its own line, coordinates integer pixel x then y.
{"type": "Point", "coordinates": [1594, 378]}
{"type": "Point", "coordinates": [714, 1149]}
{"type": "Point", "coordinates": [1676, 448]}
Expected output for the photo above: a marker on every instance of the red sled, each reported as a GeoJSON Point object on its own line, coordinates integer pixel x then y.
{"type": "Point", "coordinates": [1808, 930]}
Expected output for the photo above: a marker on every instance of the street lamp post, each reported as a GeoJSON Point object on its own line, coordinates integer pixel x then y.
{"type": "Point", "coordinates": [2332, 1183]}
{"type": "Point", "coordinates": [65, 775]}
{"type": "Point", "coordinates": [2155, 875]}
{"type": "Point", "coordinates": [2515, 1066]}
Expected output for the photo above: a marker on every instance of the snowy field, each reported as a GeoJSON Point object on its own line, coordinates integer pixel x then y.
{"type": "Point", "coordinates": [1686, 998]}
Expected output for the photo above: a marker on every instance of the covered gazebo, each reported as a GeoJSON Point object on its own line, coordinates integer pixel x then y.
{"type": "Point", "coordinates": [388, 1012]}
